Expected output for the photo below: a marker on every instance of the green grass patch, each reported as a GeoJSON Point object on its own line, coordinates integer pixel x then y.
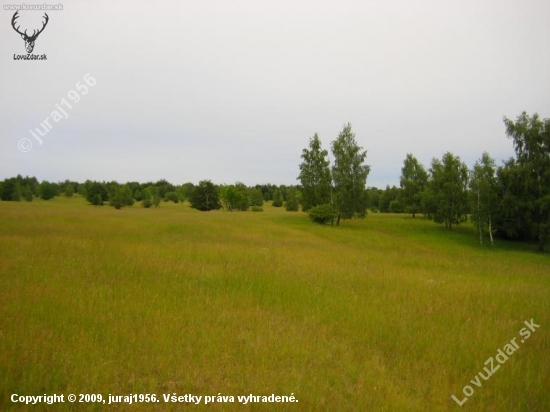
{"type": "Point", "coordinates": [387, 313]}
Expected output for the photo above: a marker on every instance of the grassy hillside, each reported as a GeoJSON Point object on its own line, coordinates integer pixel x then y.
{"type": "Point", "coordinates": [386, 313]}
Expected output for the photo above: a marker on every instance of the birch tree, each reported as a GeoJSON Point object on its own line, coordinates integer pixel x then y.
{"type": "Point", "coordinates": [531, 136]}
{"type": "Point", "coordinates": [484, 195]}
{"type": "Point", "coordinates": [315, 175]}
{"type": "Point", "coordinates": [446, 200]}
{"type": "Point", "coordinates": [414, 180]}
{"type": "Point", "coordinates": [349, 176]}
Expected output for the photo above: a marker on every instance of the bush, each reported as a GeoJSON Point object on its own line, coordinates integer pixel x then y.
{"type": "Point", "coordinates": [322, 214]}
{"type": "Point", "coordinates": [204, 196]}
{"type": "Point", "coordinates": [146, 198]}
{"type": "Point", "coordinates": [256, 198]}
{"type": "Point", "coordinates": [69, 191]}
{"type": "Point", "coordinates": [292, 203]}
{"type": "Point", "coordinates": [97, 193]}
{"type": "Point", "coordinates": [27, 193]}
{"type": "Point", "coordinates": [120, 196]}
{"type": "Point", "coordinates": [292, 206]}
{"type": "Point", "coordinates": [97, 200]}
{"type": "Point", "coordinates": [171, 196]}
{"type": "Point", "coordinates": [396, 207]}
{"type": "Point", "coordinates": [277, 199]}
{"type": "Point", "coordinates": [256, 209]}
{"type": "Point", "coordinates": [47, 190]}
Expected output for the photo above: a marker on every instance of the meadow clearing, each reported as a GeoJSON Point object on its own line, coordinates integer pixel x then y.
{"type": "Point", "coordinates": [388, 313]}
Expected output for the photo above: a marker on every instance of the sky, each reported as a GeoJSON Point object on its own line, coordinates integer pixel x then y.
{"type": "Point", "coordinates": [233, 90]}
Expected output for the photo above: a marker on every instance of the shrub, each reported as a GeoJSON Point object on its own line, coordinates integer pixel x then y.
{"type": "Point", "coordinates": [256, 198]}
{"type": "Point", "coordinates": [204, 196]}
{"type": "Point", "coordinates": [97, 200]}
{"type": "Point", "coordinates": [146, 198]}
{"type": "Point", "coordinates": [322, 214]}
{"type": "Point", "coordinates": [69, 191]}
{"type": "Point", "coordinates": [256, 209]}
{"type": "Point", "coordinates": [47, 190]}
{"type": "Point", "coordinates": [396, 207]}
{"type": "Point", "coordinates": [27, 193]}
{"type": "Point", "coordinates": [97, 193]}
{"type": "Point", "coordinates": [156, 195]}
{"type": "Point", "coordinates": [171, 196]}
{"type": "Point", "coordinates": [120, 196]}
{"type": "Point", "coordinates": [292, 203]}
{"type": "Point", "coordinates": [292, 206]}
{"type": "Point", "coordinates": [277, 199]}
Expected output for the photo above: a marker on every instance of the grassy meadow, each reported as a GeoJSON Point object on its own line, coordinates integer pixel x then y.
{"type": "Point", "coordinates": [388, 313]}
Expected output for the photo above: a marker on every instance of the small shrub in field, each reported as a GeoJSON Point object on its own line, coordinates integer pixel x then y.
{"type": "Point", "coordinates": [97, 200]}
{"type": "Point", "coordinates": [277, 199]}
{"type": "Point", "coordinates": [292, 206]}
{"type": "Point", "coordinates": [292, 203]}
{"type": "Point", "coordinates": [69, 191]}
{"type": "Point", "coordinates": [47, 191]}
{"type": "Point", "coordinates": [146, 198]}
{"type": "Point", "coordinates": [256, 209]}
{"type": "Point", "coordinates": [171, 196]}
{"type": "Point", "coordinates": [97, 194]}
{"type": "Point", "coordinates": [322, 214]}
{"type": "Point", "coordinates": [27, 194]}
{"type": "Point", "coordinates": [204, 196]}
{"type": "Point", "coordinates": [256, 198]}
{"type": "Point", "coordinates": [120, 196]}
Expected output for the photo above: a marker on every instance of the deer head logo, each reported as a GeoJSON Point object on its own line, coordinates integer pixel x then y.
{"type": "Point", "coordinates": [29, 40]}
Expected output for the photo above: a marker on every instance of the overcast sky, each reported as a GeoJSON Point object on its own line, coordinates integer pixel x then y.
{"type": "Point", "coordinates": [233, 90]}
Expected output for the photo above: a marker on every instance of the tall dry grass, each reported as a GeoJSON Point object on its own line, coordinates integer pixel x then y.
{"type": "Point", "coordinates": [386, 313]}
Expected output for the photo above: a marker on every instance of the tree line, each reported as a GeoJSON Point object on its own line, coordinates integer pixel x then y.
{"type": "Point", "coordinates": [510, 201]}
{"type": "Point", "coordinates": [203, 196]}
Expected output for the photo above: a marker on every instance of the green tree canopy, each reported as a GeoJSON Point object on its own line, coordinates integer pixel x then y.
{"type": "Point", "coordinates": [47, 190]}
{"type": "Point", "coordinates": [446, 200]}
{"type": "Point", "coordinates": [147, 197]}
{"type": "Point", "coordinates": [531, 136]}
{"type": "Point", "coordinates": [234, 197]}
{"type": "Point", "coordinates": [120, 195]}
{"type": "Point", "coordinates": [277, 198]}
{"type": "Point", "coordinates": [414, 180]}
{"type": "Point", "coordinates": [256, 197]}
{"type": "Point", "coordinates": [204, 196]}
{"type": "Point", "coordinates": [349, 175]}
{"type": "Point", "coordinates": [483, 195]}
{"type": "Point", "coordinates": [292, 203]}
{"type": "Point", "coordinates": [96, 193]}
{"type": "Point", "coordinates": [315, 175]}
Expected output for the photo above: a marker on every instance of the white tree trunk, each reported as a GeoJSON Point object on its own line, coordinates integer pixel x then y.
{"type": "Point", "coordinates": [491, 231]}
{"type": "Point", "coordinates": [479, 219]}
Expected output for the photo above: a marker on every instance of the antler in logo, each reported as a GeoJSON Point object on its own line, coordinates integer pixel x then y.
{"type": "Point", "coordinates": [29, 40]}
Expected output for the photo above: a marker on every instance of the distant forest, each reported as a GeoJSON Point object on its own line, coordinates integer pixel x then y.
{"type": "Point", "coordinates": [509, 201]}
